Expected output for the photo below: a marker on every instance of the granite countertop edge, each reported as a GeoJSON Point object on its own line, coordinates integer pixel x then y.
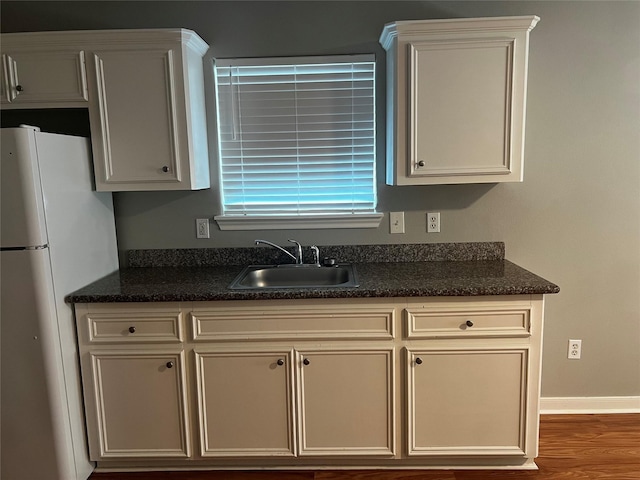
{"type": "Point", "coordinates": [377, 279]}
{"type": "Point", "coordinates": [299, 294]}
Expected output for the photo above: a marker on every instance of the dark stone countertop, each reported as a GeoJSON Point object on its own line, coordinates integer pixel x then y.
{"type": "Point", "coordinates": [377, 279]}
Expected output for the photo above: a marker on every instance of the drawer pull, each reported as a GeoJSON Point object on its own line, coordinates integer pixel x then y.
{"type": "Point", "coordinates": [19, 88]}
{"type": "Point", "coordinates": [280, 362]}
{"type": "Point", "coordinates": [169, 365]}
{"type": "Point", "coordinates": [132, 329]}
{"type": "Point", "coordinates": [469, 323]}
{"type": "Point", "coordinates": [306, 361]}
{"type": "Point", "coordinates": [165, 169]}
{"type": "Point", "coordinates": [419, 361]}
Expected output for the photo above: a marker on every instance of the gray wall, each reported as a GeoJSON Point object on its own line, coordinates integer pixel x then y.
{"type": "Point", "coordinates": [576, 218]}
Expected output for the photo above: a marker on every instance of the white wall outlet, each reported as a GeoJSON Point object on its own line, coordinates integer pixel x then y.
{"type": "Point", "coordinates": [575, 349]}
{"type": "Point", "coordinates": [433, 222]}
{"type": "Point", "coordinates": [202, 228]}
{"type": "Point", "coordinates": [396, 222]}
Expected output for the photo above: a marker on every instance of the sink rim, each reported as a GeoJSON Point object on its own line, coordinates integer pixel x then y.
{"type": "Point", "coordinates": [236, 284]}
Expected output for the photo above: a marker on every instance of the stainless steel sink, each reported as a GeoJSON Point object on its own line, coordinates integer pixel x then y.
{"type": "Point", "coordinates": [295, 276]}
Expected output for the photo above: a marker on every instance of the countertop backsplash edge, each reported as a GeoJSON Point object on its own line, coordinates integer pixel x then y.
{"type": "Point", "coordinates": [210, 257]}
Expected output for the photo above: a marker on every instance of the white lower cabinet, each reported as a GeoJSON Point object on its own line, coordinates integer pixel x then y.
{"type": "Point", "coordinates": [343, 404]}
{"type": "Point", "coordinates": [286, 383]}
{"type": "Point", "coordinates": [245, 402]}
{"type": "Point", "coordinates": [140, 405]}
{"type": "Point", "coordinates": [466, 402]}
{"type": "Point", "coordinates": [346, 402]}
{"type": "Point", "coordinates": [134, 379]}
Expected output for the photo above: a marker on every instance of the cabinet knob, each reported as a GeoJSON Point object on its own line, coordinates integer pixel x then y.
{"type": "Point", "coordinates": [419, 361]}
{"type": "Point", "coordinates": [421, 163]}
{"type": "Point", "coordinates": [280, 362]}
{"type": "Point", "coordinates": [469, 323]}
{"type": "Point", "coordinates": [169, 364]}
{"type": "Point", "coordinates": [165, 169]}
{"type": "Point", "coordinates": [19, 88]}
{"type": "Point", "coordinates": [132, 329]}
{"type": "Point", "coordinates": [306, 361]}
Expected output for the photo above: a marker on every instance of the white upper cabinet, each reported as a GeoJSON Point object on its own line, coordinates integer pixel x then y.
{"type": "Point", "coordinates": [37, 74]}
{"type": "Point", "coordinates": [144, 90]}
{"type": "Point", "coordinates": [148, 125]}
{"type": "Point", "coordinates": [456, 96]}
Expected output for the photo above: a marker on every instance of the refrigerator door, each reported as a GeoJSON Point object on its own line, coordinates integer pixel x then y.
{"type": "Point", "coordinates": [21, 202]}
{"type": "Point", "coordinates": [36, 436]}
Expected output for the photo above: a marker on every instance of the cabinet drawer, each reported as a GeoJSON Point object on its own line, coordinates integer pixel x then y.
{"type": "Point", "coordinates": [281, 324]}
{"type": "Point", "coordinates": [461, 323]}
{"type": "Point", "coordinates": [139, 327]}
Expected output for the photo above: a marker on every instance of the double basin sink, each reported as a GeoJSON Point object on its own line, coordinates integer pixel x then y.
{"type": "Point", "coordinates": [295, 276]}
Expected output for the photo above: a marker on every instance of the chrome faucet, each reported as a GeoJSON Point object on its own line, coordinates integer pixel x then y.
{"type": "Point", "coordinates": [296, 258]}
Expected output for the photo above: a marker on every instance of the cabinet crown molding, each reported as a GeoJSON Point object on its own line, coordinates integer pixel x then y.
{"type": "Point", "coordinates": [408, 28]}
{"type": "Point", "coordinates": [90, 38]}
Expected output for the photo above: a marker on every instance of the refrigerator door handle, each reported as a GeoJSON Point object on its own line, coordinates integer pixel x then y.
{"type": "Point", "coordinates": [11, 249]}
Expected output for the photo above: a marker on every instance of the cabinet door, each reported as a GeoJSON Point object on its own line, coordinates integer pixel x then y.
{"type": "Point", "coordinates": [461, 101]}
{"type": "Point", "coordinates": [458, 93]}
{"type": "Point", "coordinates": [44, 79]}
{"type": "Point", "coordinates": [140, 406]}
{"type": "Point", "coordinates": [245, 403]}
{"type": "Point", "coordinates": [346, 402]}
{"type": "Point", "coordinates": [467, 402]}
{"type": "Point", "coordinates": [138, 118]}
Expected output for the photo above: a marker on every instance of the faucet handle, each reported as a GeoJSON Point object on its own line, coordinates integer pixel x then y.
{"type": "Point", "coordinates": [316, 254]}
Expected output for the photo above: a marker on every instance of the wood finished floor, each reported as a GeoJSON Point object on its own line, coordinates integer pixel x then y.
{"type": "Point", "coordinates": [572, 447]}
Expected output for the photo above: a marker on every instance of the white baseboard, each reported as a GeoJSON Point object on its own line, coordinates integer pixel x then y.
{"type": "Point", "coordinates": [557, 405]}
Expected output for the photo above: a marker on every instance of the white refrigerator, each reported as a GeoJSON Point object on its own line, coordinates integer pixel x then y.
{"type": "Point", "coordinates": [56, 235]}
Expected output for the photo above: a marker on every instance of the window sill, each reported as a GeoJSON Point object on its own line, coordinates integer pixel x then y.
{"type": "Point", "coordinates": [294, 222]}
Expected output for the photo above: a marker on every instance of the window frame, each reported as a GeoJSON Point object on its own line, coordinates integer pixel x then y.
{"type": "Point", "coordinates": [248, 221]}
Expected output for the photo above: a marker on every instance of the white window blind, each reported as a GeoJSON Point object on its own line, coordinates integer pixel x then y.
{"type": "Point", "coordinates": [297, 136]}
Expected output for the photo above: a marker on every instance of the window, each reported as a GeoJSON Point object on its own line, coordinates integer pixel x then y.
{"type": "Point", "coordinates": [297, 142]}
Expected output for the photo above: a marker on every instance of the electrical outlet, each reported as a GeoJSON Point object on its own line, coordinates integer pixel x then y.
{"type": "Point", "coordinates": [433, 222]}
{"type": "Point", "coordinates": [202, 228]}
{"type": "Point", "coordinates": [575, 349]}
{"type": "Point", "coordinates": [396, 222]}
